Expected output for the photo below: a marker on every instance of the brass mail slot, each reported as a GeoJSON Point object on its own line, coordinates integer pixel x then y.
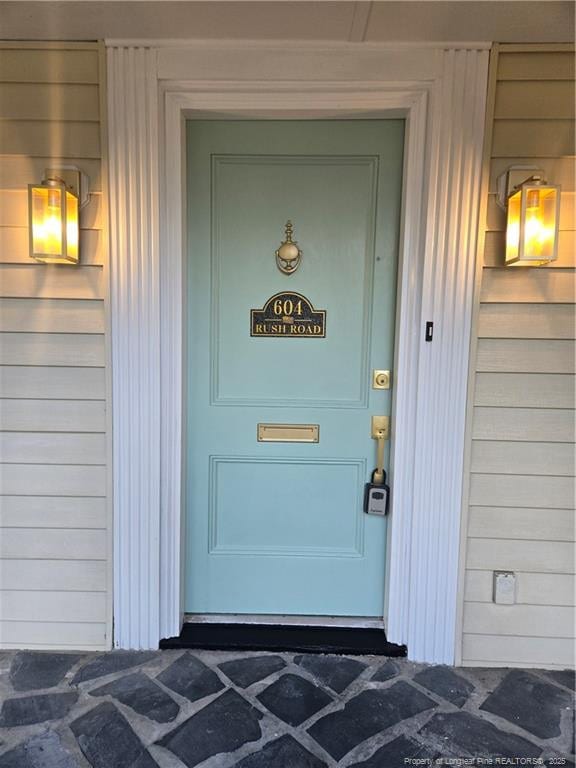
{"type": "Point", "coordinates": [288, 433]}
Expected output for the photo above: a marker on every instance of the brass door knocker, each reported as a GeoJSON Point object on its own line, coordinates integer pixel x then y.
{"type": "Point", "coordinates": [288, 256]}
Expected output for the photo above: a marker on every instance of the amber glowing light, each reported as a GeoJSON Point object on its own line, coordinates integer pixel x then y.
{"type": "Point", "coordinates": [54, 225]}
{"type": "Point", "coordinates": [532, 224]}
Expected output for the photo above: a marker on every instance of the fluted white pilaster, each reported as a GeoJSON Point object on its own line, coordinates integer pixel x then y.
{"type": "Point", "coordinates": [135, 330]}
{"type": "Point", "coordinates": [444, 101]}
{"type": "Point", "coordinates": [425, 543]}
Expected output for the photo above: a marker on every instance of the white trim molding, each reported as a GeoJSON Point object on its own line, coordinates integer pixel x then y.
{"type": "Point", "coordinates": [424, 586]}
{"type": "Point", "coordinates": [441, 93]}
{"type": "Point", "coordinates": [135, 340]}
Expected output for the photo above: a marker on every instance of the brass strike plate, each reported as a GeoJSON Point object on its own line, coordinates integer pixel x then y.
{"type": "Point", "coordinates": [380, 427]}
{"type": "Point", "coordinates": [380, 379]}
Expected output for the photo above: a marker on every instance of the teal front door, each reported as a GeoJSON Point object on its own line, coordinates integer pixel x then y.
{"type": "Point", "coordinates": [280, 361]}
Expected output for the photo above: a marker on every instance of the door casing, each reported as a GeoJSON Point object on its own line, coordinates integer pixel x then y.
{"type": "Point", "coordinates": [440, 90]}
{"type": "Point", "coordinates": [413, 109]}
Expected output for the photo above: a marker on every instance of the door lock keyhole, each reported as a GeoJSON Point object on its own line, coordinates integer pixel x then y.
{"type": "Point", "coordinates": [380, 379]}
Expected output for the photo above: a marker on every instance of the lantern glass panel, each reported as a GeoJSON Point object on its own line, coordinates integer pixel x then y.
{"type": "Point", "coordinates": [540, 223]}
{"type": "Point", "coordinates": [46, 215]}
{"type": "Point", "coordinates": [54, 224]}
{"type": "Point", "coordinates": [532, 225]}
{"type": "Point", "coordinates": [513, 227]}
{"type": "Point", "coordinates": [72, 227]}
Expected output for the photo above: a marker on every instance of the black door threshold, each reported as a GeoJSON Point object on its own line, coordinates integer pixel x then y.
{"type": "Point", "coordinates": [272, 637]}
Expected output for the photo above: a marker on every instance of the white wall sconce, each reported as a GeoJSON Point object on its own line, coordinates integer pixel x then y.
{"type": "Point", "coordinates": [53, 212]}
{"type": "Point", "coordinates": [533, 214]}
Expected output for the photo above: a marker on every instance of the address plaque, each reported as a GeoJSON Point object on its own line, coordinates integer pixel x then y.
{"type": "Point", "coordinates": [290, 315]}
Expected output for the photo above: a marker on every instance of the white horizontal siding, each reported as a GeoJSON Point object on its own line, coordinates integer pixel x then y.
{"type": "Point", "coordinates": [41, 606]}
{"type": "Point", "coordinates": [53, 575]}
{"type": "Point", "coordinates": [540, 524]}
{"type": "Point", "coordinates": [55, 635]}
{"type": "Point", "coordinates": [35, 101]}
{"type": "Point", "coordinates": [81, 139]}
{"type": "Point", "coordinates": [515, 458]}
{"type": "Point", "coordinates": [525, 355]}
{"type": "Point", "coordinates": [53, 415]}
{"type": "Point", "coordinates": [531, 286]}
{"type": "Point", "coordinates": [506, 390]}
{"type": "Point", "coordinates": [522, 491]}
{"type": "Point", "coordinates": [541, 556]}
{"type": "Point", "coordinates": [508, 651]}
{"type": "Point", "coordinates": [531, 588]}
{"type": "Point", "coordinates": [527, 321]}
{"type": "Point", "coordinates": [52, 316]}
{"type": "Point", "coordinates": [54, 514]}
{"type": "Point", "coordinates": [534, 99]}
{"type": "Point", "coordinates": [53, 544]}
{"type": "Point", "coordinates": [50, 281]}
{"type": "Point", "coordinates": [52, 479]}
{"type": "Point", "coordinates": [52, 349]}
{"type": "Point", "coordinates": [49, 383]}
{"type": "Point", "coordinates": [519, 620]}
{"type": "Point", "coordinates": [42, 65]}
{"type": "Point", "coordinates": [524, 137]}
{"type": "Point", "coordinates": [550, 425]}
{"type": "Point", "coordinates": [52, 448]}
{"type": "Point", "coordinates": [535, 64]}
{"type": "Point", "coordinates": [520, 508]}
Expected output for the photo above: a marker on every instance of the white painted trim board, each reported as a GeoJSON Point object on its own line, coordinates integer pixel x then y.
{"type": "Point", "coordinates": [442, 95]}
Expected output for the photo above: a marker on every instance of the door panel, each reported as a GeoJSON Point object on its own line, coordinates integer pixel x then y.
{"type": "Point", "coordinates": [279, 527]}
{"type": "Point", "coordinates": [327, 487]}
{"type": "Point", "coordinates": [340, 225]}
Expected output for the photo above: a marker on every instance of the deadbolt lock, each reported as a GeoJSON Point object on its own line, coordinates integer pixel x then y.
{"type": "Point", "coordinates": [380, 379]}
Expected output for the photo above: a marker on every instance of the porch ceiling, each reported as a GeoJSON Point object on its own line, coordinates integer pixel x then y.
{"type": "Point", "coordinates": [520, 21]}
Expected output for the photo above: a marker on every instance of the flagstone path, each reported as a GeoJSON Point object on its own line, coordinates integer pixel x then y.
{"type": "Point", "coordinates": [182, 709]}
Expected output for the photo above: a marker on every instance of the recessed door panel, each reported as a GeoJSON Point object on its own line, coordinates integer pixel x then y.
{"type": "Point", "coordinates": [312, 512]}
{"type": "Point", "coordinates": [337, 234]}
{"type": "Point", "coordinates": [276, 525]}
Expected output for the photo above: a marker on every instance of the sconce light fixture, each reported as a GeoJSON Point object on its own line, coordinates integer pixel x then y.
{"type": "Point", "coordinates": [533, 208]}
{"type": "Point", "coordinates": [53, 211]}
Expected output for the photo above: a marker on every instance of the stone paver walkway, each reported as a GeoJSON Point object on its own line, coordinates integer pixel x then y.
{"type": "Point", "coordinates": [176, 709]}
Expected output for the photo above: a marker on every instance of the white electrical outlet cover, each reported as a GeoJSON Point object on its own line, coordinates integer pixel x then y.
{"type": "Point", "coordinates": [504, 587]}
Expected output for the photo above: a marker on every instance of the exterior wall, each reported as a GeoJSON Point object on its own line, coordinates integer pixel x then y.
{"type": "Point", "coordinates": [54, 517]}
{"type": "Point", "coordinates": [55, 533]}
{"type": "Point", "coordinates": [521, 489]}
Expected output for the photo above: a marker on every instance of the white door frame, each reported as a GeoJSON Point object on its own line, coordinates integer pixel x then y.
{"type": "Point", "coordinates": [152, 89]}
